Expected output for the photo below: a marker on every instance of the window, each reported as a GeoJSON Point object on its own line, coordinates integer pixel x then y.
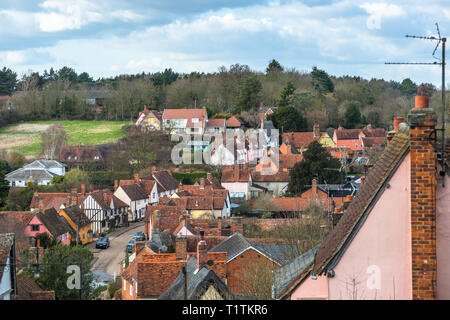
{"type": "Point", "coordinates": [34, 227]}
{"type": "Point", "coordinates": [75, 158]}
{"type": "Point", "coordinates": [69, 157]}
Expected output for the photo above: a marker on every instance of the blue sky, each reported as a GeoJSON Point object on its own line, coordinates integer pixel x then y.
{"type": "Point", "coordinates": [111, 37]}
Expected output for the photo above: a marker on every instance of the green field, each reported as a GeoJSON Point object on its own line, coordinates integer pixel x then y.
{"type": "Point", "coordinates": [26, 137]}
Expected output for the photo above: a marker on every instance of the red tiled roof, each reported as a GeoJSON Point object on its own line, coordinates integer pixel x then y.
{"type": "Point", "coordinates": [228, 175]}
{"type": "Point", "coordinates": [347, 134]}
{"type": "Point", "coordinates": [188, 114]}
{"type": "Point", "coordinates": [216, 123]}
{"type": "Point", "coordinates": [289, 160]}
{"type": "Point", "coordinates": [369, 142]}
{"type": "Point", "coordinates": [280, 176]}
{"type": "Point", "coordinates": [300, 139]}
{"type": "Point", "coordinates": [234, 122]}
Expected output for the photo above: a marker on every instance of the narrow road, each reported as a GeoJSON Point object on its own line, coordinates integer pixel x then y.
{"type": "Point", "coordinates": [109, 259]}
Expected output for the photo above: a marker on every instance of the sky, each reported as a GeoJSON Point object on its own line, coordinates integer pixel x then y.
{"type": "Point", "coordinates": [112, 37]}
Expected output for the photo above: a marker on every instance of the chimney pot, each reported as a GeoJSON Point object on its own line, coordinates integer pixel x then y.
{"type": "Point", "coordinates": [83, 188]}
{"type": "Point", "coordinates": [136, 178]}
{"type": "Point", "coordinates": [116, 185]}
{"type": "Point", "coordinates": [397, 122]}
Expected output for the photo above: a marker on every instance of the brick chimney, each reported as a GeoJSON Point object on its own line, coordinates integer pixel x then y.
{"type": "Point", "coordinates": [156, 221]}
{"type": "Point", "coordinates": [236, 172]}
{"type": "Point", "coordinates": [73, 196]}
{"type": "Point", "coordinates": [316, 131]}
{"type": "Point", "coordinates": [154, 169]}
{"type": "Point", "coordinates": [91, 188]}
{"type": "Point", "coordinates": [116, 185]}
{"type": "Point", "coordinates": [83, 188]}
{"type": "Point", "coordinates": [422, 121]}
{"type": "Point", "coordinates": [136, 178]}
{"type": "Point", "coordinates": [397, 122]}
{"type": "Point", "coordinates": [181, 247]}
{"type": "Point", "coordinates": [202, 183]}
{"type": "Point", "coordinates": [180, 186]}
{"type": "Point", "coordinates": [314, 189]}
{"type": "Point", "coordinates": [219, 223]}
{"type": "Point", "coordinates": [202, 250]}
{"type": "Point", "coordinates": [236, 225]}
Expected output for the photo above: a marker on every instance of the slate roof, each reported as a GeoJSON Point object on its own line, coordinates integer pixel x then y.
{"type": "Point", "coordinates": [77, 216]}
{"type": "Point", "coordinates": [335, 244]}
{"type": "Point", "coordinates": [30, 174]}
{"type": "Point", "coordinates": [284, 275]}
{"type": "Point", "coordinates": [54, 223]}
{"type": "Point", "coordinates": [134, 191]}
{"type": "Point", "coordinates": [197, 283]}
{"type": "Point", "coordinates": [6, 243]}
{"type": "Point", "coordinates": [236, 244]}
{"type": "Point", "coordinates": [44, 163]}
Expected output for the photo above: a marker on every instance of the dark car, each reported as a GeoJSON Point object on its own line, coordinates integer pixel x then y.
{"type": "Point", "coordinates": [131, 244]}
{"type": "Point", "coordinates": [140, 236]}
{"type": "Point", "coordinates": [102, 243]}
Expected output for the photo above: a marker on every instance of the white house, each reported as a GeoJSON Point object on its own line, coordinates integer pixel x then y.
{"type": "Point", "coordinates": [190, 121]}
{"type": "Point", "coordinates": [40, 172]}
{"type": "Point", "coordinates": [238, 182]}
{"type": "Point", "coordinates": [135, 197]}
{"type": "Point", "coordinates": [104, 210]}
{"type": "Point", "coordinates": [7, 274]}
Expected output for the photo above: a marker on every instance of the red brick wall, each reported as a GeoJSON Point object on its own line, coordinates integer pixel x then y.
{"type": "Point", "coordinates": [423, 212]}
{"type": "Point", "coordinates": [236, 268]}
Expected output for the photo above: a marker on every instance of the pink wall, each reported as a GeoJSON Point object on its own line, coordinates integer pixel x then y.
{"type": "Point", "coordinates": [42, 229]}
{"type": "Point", "coordinates": [312, 289]}
{"type": "Point", "coordinates": [377, 263]}
{"type": "Point", "coordinates": [443, 239]}
{"type": "Point", "coordinates": [381, 250]}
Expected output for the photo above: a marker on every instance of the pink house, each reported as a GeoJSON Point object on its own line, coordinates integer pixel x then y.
{"type": "Point", "coordinates": [392, 241]}
{"type": "Point", "coordinates": [50, 222]}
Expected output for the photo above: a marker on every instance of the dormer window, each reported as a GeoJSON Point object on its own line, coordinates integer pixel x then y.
{"type": "Point", "coordinates": [69, 157]}
{"type": "Point", "coordinates": [96, 157]}
{"type": "Point", "coordinates": [75, 158]}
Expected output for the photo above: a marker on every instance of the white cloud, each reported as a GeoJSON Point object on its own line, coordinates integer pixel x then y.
{"type": "Point", "coordinates": [15, 57]}
{"type": "Point", "coordinates": [377, 11]}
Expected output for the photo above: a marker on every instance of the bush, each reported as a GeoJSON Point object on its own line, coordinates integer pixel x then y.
{"type": "Point", "coordinates": [113, 287]}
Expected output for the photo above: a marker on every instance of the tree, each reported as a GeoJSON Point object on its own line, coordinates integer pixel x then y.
{"type": "Point", "coordinates": [8, 81]}
{"type": "Point", "coordinates": [54, 275]}
{"type": "Point", "coordinates": [15, 159]}
{"type": "Point", "coordinates": [74, 178]}
{"type": "Point", "coordinates": [249, 95]}
{"type": "Point", "coordinates": [321, 81]}
{"type": "Point", "coordinates": [316, 163]}
{"type": "Point", "coordinates": [274, 66]}
{"type": "Point", "coordinates": [352, 116]}
{"type": "Point", "coordinates": [288, 119]}
{"type": "Point", "coordinates": [4, 185]}
{"type": "Point", "coordinates": [408, 87]}
{"type": "Point", "coordinates": [286, 94]}
{"type": "Point", "coordinates": [68, 74]}
{"type": "Point", "coordinates": [52, 140]}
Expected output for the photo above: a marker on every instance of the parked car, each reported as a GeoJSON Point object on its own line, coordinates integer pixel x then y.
{"type": "Point", "coordinates": [102, 243]}
{"type": "Point", "coordinates": [131, 244]}
{"type": "Point", "coordinates": [140, 236]}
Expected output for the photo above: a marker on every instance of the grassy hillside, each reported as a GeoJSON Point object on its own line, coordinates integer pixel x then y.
{"type": "Point", "coordinates": [26, 137]}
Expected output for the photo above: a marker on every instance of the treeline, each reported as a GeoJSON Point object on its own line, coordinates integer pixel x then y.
{"type": "Point", "coordinates": [309, 96]}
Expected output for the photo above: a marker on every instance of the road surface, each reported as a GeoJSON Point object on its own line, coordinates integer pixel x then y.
{"type": "Point", "coordinates": [108, 260]}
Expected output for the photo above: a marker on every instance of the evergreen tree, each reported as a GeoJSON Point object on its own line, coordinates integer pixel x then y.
{"type": "Point", "coordinates": [321, 81]}
{"type": "Point", "coordinates": [249, 95]}
{"type": "Point", "coordinates": [288, 119]}
{"type": "Point", "coordinates": [316, 163]}
{"type": "Point", "coordinates": [352, 116]}
{"type": "Point", "coordinates": [286, 94]}
{"type": "Point", "coordinates": [274, 66]}
{"type": "Point", "coordinates": [8, 81]}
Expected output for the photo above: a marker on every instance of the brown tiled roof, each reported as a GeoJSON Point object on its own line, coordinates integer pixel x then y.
{"type": "Point", "coordinates": [289, 160]}
{"type": "Point", "coordinates": [118, 203]}
{"type": "Point", "coordinates": [281, 176]}
{"type": "Point", "coordinates": [360, 206]}
{"type": "Point", "coordinates": [83, 153]}
{"type": "Point", "coordinates": [234, 122]}
{"type": "Point", "coordinates": [77, 216]}
{"type": "Point", "coordinates": [379, 132]}
{"type": "Point", "coordinates": [134, 191]}
{"type": "Point", "coordinates": [347, 134]}
{"type": "Point", "coordinates": [27, 289]}
{"type": "Point", "coordinates": [131, 271]}
{"type": "Point", "coordinates": [369, 142]}
{"type": "Point", "coordinates": [300, 139]}
{"type": "Point", "coordinates": [166, 180]}
{"type": "Point", "coordinates": [50, 200]}
{"type": "Point", "coordinates": [229, 176]}
{"type": "Point", "coordinates": [54, 223]}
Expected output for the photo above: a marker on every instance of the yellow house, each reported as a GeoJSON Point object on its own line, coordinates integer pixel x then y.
{"type": "Point", "coordinates": [79, 222]}
{"type": "Point", "coordinates": [326, 141]}
{"type": "Point", "coordinates": [149, 120]}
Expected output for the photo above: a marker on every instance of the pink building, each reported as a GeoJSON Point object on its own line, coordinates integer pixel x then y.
{"type": "Point", "coordinates": [50, 222]}
{"type": "Point", "coordinates": [392, 241]}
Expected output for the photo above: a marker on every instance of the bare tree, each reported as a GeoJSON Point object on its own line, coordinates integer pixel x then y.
{"type": "Point", "coordinates": [52, 140]}
{"type": "Point", "coordinates": [257, 279]}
